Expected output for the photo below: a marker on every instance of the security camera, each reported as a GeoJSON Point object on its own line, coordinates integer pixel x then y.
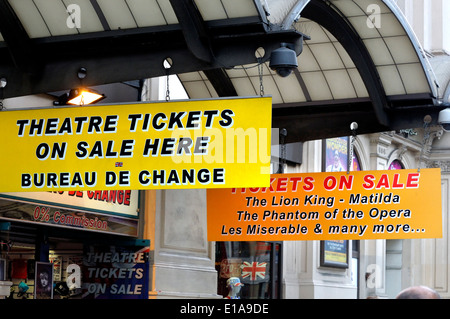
{"type": "Point", "coordinates": [444, 119]}
{"type": "Point", "coordinates": [283, 60]}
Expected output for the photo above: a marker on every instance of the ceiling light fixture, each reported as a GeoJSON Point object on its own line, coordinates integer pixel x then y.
{"type": "Point", "coordinates": [83, 96]}
{"type": "Point", "coordinates": [80, 96]}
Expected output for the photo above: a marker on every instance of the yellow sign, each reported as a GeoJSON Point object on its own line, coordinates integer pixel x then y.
{"type": "Point", "coordinates": [330, 206]}
{"type": "Point", "coordinates": [185, 144]}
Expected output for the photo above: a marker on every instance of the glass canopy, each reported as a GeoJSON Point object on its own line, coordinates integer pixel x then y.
{"type": "Point", "coordinates": [360, 58]}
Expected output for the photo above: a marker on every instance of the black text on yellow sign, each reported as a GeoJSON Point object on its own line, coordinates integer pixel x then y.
{"type": "Point", "coordinates": [186, 144]}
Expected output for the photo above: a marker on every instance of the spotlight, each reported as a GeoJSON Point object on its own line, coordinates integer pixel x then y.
{"type": "Point", "coordinates": [84, 96]}
{"type": "Point", "coordinates": [81, 96]}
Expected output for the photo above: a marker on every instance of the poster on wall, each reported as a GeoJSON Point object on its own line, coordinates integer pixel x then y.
{"type": "Point", "coordinates": [336, 154]}
{"type": "Point", "coordinates": [334, 253]}
{"type": "Point", "coordinates": [172, 145]}
{"type": "Point", "coordinates": [115, 272]}
{"type": "Point", "coordinates": [43, 281]}
{"type": "Point", "coordinates": [330, 206]}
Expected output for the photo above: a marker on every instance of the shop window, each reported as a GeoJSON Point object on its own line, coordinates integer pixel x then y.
{"type": "Point", "coordinates": [356, 166]}
{"type": "Point", "coordinates": [34, 280]}
{"type": "Point", "coordinates": [257, 265]}
{"type": "Point", "coordinates": [396, 164]}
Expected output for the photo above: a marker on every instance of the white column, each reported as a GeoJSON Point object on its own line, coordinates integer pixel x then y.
{"type": "Point", "coordinates": [303, 277]}
{"type": "Point", "coordinates": [446, 26]}
{"type": "Point", "coordinates": [434, 25]}
{"type": "Point", "coordinates": [183, 261]}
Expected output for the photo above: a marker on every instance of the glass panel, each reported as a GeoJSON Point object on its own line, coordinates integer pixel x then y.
{"type": "Point", "coordinates": [211, 9]}
{"type": "Point", "coordinates": [391, 80]}
{"type": "Point", "coordinates": [390, 26]}
{"type": "Point", "coordinates": [198, 90]}
{"type": "Point", "coordinates": [317, 86]}
{"type": "Point", "coordinates": [378, 51]}
{"type": "Point", "coordinates": [327, 56]}
{"type": "Point", "coordinates": [118, 15]}
{"type": "Point", "coordinates": [358, 83]}
{"type": "Point", "coordinates": [236, 72]}
{"type": "Point", "coordinates": [146, 12]}
{"type": "Point", "coordinates": [290, 89]}
{"type": "Point", "coordinates": [239, 8]}
{"type": "Point", "coordinates": [362, 26]}
{"type": "Point", "coordinates": [243, 86]}
{"type": "Point", "coordinates": [307, 61]}
{"type": "Point", "coordinates": [402, 50]}
{"type": "Point", "coordinates": [168, 12]}
{"type": "Point", "coordinates": [366, 3]}
{"type": "Point", "coordinates": [340, 84]}
{"type": "Point", "coordinates": [348, 8]}
{"type": "Point", "coordinates": [344, 55]}
{"type": "Point", "coordinates": [191, 76]}
{"type": "Point", "coordinates": [317, 33]}
{"type": "Point", "coordinates": [256, 265]}
{"type": "Point", "coordinates": [270, 87]}
{"type": "Point", "coordinates": [55, 15]}
{"type": "Point", "coordinates": [89, 21]}
{"type": "Point", "coordinates": [30, 18]}
{"type": "Point", "coordinates": [413, 78]}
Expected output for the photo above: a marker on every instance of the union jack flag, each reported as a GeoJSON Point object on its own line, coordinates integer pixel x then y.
{"type": "Point", "coordinates": [254, 270]}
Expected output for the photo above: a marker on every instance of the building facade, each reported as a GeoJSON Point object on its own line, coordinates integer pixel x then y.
{"type": "Point", "coordinates": [182, 263]}
{"type": "Point", "coordinates": [377, 268]}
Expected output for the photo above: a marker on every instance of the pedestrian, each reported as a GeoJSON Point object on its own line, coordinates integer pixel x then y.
{"type": "Point", "coordinates": [418, 292]}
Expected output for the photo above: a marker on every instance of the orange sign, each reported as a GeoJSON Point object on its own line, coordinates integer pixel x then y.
{"type": "Point", "coordinates": [395, 204]}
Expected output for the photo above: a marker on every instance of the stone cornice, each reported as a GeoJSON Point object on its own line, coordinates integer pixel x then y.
{"type": "Point", "coordinates": [443, 164]}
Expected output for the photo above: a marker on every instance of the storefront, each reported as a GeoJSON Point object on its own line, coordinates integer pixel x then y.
{"type": "Point", "coordinates": [81, 245]}
{"type": "Point", "coordinates": [256, 265]}
{"type": "Point", "coordinates": [97, 252]}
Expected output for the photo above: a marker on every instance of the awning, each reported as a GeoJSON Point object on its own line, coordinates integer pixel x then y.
{"type": "Point", "coordinates": [361, 64]}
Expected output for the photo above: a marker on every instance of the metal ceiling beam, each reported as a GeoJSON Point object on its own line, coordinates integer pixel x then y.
{"type": "Point", "coordinates": [100, 15]}
{"type": "Point", "coordinates": [294, 14]}
{"type": "Point", "coordinates": [325, 14]}
{"type": "Point", "coordinates": [221, 82]}
{"type": "Point", "coordinates": [302, 83]}
{"type": "Point", "coordinates": [194, 29]}
{"type": "Point", "coordinates": [310, 121]}
{"type": "Point", "coordinates": [16, 38]}
{"type": "Point", "coordinates": [132, 54]}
